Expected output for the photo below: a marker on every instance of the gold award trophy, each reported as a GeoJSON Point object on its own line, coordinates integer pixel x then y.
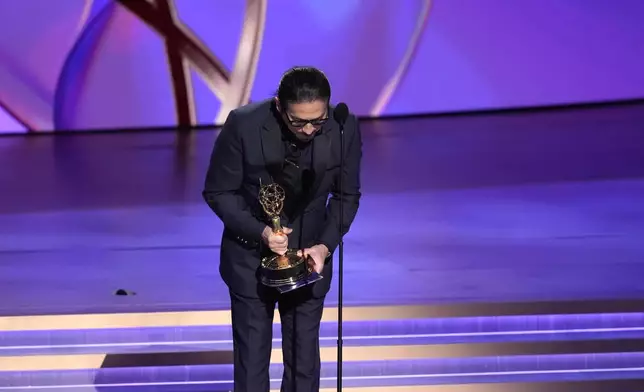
{"type": "Point", "coordinates": [289, 271]}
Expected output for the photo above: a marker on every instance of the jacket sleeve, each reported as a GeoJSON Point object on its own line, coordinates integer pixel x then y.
{"type": "Point", "coordinates": [351, 190]}
{"type": "Point", "coordinates": [223, 181]}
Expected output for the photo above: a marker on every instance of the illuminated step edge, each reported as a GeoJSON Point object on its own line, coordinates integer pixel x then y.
{"type": "Point", "coordinates": [351, 313]}
{"type": "Point", "coordinates": [511, 369]}
{"type": "Point", "coordinates": [410, 332]}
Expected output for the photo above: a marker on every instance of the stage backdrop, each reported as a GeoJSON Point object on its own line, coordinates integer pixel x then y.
{"type": "Point", "coordinates": [88, 64]}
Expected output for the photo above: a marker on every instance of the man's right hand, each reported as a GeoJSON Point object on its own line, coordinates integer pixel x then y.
{"type": "Point", "coordinates": [276, 242]}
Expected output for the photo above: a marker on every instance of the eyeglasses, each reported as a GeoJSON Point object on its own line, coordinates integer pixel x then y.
{"type": "Point", "coordinates": [299, 123]}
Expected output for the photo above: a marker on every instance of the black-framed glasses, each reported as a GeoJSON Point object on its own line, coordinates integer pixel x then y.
{"type": "Point", "coordinates": [300, 123]}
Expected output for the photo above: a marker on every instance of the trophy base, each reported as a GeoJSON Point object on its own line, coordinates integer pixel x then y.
{"type": "Point", "coordinates": [287, 273]}
{"type": "Point", "coordinates": [312, 278]}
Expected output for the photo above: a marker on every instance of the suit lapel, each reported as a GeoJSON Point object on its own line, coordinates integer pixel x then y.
{"type": "Point", "coordinates": [321, 157]}
{"type": "Point", "coordinates": [272, 147]}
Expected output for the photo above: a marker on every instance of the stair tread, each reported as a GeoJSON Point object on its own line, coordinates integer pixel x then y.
{"type": "Point", "coordinates": [532, 368]}
{"type": "Point", "coordinates": [537, 328]}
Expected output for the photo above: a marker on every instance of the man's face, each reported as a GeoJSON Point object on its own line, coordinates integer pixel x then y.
{"type": "Point", "coordinates": [305, 119]}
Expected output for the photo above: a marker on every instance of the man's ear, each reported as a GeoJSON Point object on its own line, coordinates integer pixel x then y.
{"type": "Point", "coordinates": [277, 105]}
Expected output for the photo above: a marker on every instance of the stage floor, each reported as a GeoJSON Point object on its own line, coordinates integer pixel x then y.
{"type": "Point", "coordinates": [542, 206]}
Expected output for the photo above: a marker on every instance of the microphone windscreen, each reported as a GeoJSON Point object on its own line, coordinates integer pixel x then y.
{"type": "Point", "coordinates": [341, 113]}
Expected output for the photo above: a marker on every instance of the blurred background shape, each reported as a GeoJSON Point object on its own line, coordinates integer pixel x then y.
{"type": "Point", "coordinates": [166, 63]}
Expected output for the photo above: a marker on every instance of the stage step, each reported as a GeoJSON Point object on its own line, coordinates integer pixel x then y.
{"type": "Point", "coordinates": [572, 386]}
{"type": "Point", "coordinates": [377, 353]}
{"type": "Point", "coordinates": [426, 373]}
{"type": "Point", "coordinates": [411, 332]}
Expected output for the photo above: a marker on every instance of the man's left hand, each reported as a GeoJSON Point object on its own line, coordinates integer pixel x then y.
{"type": "Point", "coordinates": [318, 254]}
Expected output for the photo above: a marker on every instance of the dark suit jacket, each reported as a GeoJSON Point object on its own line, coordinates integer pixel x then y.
{"type": "Point", "coordinates": [249, 150]}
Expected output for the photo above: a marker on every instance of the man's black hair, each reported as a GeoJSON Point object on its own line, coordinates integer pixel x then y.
{"type": "Point", "coordinates": [303, 84]}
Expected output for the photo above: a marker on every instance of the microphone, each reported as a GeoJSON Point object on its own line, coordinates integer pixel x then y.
{"type": "Point", "coordinates": [340, 115]}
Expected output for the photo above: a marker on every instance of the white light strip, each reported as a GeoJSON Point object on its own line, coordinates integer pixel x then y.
{"type": "Point", "coordinates": [347, 378]}
{"type": "Point", "coordinates": [327, 338]}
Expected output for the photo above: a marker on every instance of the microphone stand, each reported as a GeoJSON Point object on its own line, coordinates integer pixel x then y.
{"type": "Point", "coordinates": [340, 259]}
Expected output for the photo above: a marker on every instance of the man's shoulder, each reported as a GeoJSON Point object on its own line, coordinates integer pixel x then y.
{"type": "Point", "coordinates": [253, 111]}
{"type": "Point", "coordinates": [248, 118]}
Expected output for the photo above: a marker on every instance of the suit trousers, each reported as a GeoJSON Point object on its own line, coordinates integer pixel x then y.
{"type": "Point", "coordinates": [252, 322]}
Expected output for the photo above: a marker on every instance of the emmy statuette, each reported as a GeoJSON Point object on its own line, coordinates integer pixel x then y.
{"type": "Point", "coordinates": [289, 271]}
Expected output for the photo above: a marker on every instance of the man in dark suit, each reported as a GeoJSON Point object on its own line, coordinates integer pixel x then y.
{"type": "Point", "coordinates": [292, 140]}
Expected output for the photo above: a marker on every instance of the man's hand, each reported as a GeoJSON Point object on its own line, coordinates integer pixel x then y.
{"type": "Point", "coordinates": [318, 254]}
{"type": "Point", "coordinates": [277, 242]}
